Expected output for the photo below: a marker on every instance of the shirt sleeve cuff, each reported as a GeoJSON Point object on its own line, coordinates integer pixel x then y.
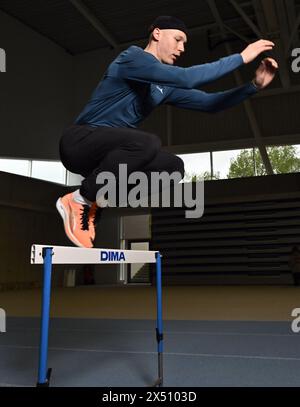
{"type": "Point", "coordinates": [254, 87]}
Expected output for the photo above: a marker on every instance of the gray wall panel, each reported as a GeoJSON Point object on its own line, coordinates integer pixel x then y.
{"type": "Point", "coordinates": [36, 91]}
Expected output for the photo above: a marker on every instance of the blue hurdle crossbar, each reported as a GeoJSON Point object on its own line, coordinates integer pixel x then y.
{"type": "Point", "coordinates": [49, 255]}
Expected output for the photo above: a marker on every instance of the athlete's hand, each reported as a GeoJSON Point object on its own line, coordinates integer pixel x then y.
{"type": "Point", "coordinates": [255, 49]}
{"type": "Point", "coordinates": [265, 73]}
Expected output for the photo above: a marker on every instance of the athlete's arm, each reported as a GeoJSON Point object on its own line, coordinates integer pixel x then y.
{"type": "Point", "coordinates": [209, 102]}
{"type": "Point", "coordinates": [138, 65]}
{"type": "Point", "coordinates": [144, 67]}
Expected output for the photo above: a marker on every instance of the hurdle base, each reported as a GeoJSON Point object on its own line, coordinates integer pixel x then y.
{"type": "Point", "coordinates": [158, 383]}
{"type": "Point", "coordinates": [47, 382]}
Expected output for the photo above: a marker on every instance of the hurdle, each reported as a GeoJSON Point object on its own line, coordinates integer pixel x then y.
{"type": "Point", "coordinates": [49, 255]}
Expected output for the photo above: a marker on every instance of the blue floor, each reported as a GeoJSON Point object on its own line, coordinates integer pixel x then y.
{"type": "Point", "coordinates": [90, 352]}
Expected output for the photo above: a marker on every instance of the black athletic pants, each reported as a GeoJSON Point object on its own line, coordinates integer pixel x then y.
{"type": "Point", "coordinates": [87, 151]}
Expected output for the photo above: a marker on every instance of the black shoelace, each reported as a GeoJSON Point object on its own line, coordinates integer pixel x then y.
{"type": "Point", "coordinates": [85, 217]}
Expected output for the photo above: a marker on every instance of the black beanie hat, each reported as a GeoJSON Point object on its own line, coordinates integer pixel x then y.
{"type": "Point", "coordinates": [165, 22]}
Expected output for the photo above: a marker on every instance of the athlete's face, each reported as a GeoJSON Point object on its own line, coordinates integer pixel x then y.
{"type": "Point", "coordinates": [170, 44]}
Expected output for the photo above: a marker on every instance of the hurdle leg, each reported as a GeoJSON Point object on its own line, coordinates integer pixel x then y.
{"type": "Point", "coordinates": [159, 323]}
{"type": "Point", "coordinates": [43, 373]}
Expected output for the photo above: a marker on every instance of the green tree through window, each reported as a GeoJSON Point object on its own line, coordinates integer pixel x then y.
{"type": "Point", "coordinates": [249, 163]}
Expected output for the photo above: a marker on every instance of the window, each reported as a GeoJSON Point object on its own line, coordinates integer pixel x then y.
{"type": "Point", "coordinates": [196, 165]}
{"type": "Point", "coordinates": [222, 161]}
{"type": "Point", "coordinates": [284, 159]}
{"type": "Point", "coordinates": [207, 166]}
{"type": "Point", "coordinates": [20, 167]}
{"type": "Point", "coordinates": [297, 147]}
{"type": "Point", "coordinates": [49, 171]}
{"type": "Point", "coordinates": [73, 179]}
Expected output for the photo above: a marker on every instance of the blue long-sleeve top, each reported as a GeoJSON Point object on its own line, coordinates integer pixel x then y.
{"type": "Point", "coordinates": [136, 82]}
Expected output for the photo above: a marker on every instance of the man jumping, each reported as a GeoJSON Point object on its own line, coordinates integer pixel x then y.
{"type": "Point", "coordinates": [104, 135]}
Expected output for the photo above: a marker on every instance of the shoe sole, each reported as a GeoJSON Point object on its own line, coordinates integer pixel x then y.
{"type": "Point", "coordinates": [65, 217]}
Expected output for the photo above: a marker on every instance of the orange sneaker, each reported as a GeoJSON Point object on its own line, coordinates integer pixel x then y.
{"type": "Point", "coordinates": [76, 220]}
{"type": "Point", "coordinates": [94, 217]}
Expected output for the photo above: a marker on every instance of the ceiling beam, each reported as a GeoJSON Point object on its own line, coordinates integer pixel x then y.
{"type": "Point", "coordinates": [245, 17]}
{"type": "Point", "coordinates": [283, 24]}
{"type": "Point", "coordinates": [247, 104]}
{"type": "Point", "coordinates": [191, 31]}
{"type": "Point", "coordinates": [260, 17]}
{"type": "Point", "coordinates": [95, 22]}
{"type": "Point", "coordinates": [275, 23]}
{"type": "Point", "coordinates": [237, 34]}
{"type": "Point", "coordinates": [294, 37]}
{"type": "Point", "coordinates": [269, 28]}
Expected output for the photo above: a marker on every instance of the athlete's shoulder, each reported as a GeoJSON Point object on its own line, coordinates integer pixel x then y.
{"type": "Point", "coordinates": [133, 49]}
{"type": "Point", "coordinates": [132, 53]}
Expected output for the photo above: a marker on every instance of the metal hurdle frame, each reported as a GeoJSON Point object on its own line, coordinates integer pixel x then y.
{"type": "Point", "coordinates": [49, 255]}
